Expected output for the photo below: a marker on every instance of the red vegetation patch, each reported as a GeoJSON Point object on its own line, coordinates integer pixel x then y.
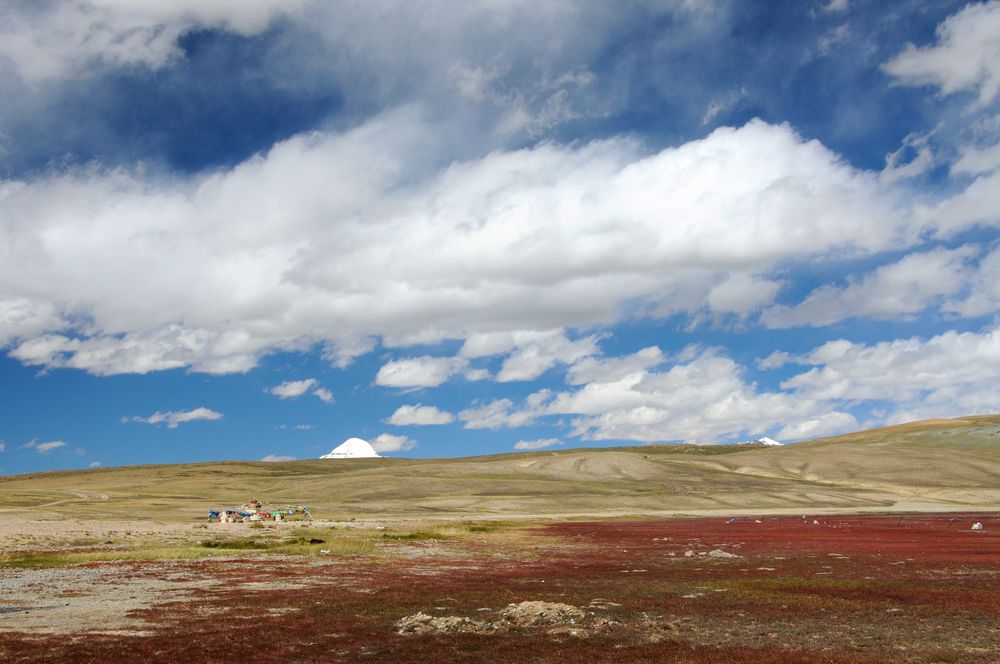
{"type": "Point", "coordinates": [926, 538]}
{"type": "Point", "coordinates": [843, 589]}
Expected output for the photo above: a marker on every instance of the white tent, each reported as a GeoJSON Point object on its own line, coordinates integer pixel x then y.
{"type": "Point", "coordinates": [352, 448]}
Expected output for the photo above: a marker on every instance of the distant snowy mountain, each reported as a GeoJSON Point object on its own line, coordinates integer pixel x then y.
{"type": "Point", "coordinates": [352, 448]}
{"type": "Point", "coordinates": [763, 440]}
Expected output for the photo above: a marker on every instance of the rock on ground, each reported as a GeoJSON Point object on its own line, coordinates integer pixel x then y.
{"type": "Point", "coordinates": [537, 614]}
{"type": "Point", "coordinates": [555, 618]}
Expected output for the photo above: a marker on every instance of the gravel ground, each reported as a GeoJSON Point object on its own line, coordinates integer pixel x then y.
{"type": "Point", "coordinates": [89, 598]}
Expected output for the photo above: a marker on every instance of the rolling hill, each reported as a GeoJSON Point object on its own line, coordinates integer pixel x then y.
{"type": "Point", "coordinates": [928, 465]}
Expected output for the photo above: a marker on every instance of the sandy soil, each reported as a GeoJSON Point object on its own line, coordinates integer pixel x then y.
{"type": "Point", "coordinates": [89, 598]}
{"type": "Point", "coordinates": [15, 531]}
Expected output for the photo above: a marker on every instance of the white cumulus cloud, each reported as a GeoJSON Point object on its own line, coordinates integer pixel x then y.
{"type": "Point", "coordinates": [830, 423]}
{"type": "Point", "coordinates": [500, 413]}
{"type": "Point", "coordinates": [703, 399]}
{"type": "Point", "coordinates": [531, 360]}
{"type": "Point", "coordinates": [536, 444]}
{"type": "Point", "coordinates": [385, 442]}
{"type": "Point", "coordinates": [71, 37]}
{"type": "Point", "coordinates": [44, 448]}
{"type": "Point", "coordinates": [564, 237]}
{"type": "Point", "coordinates": [741, 293]}
{"type": "Point", "coordinates": [177, 417]}
{"type": "Point", "coordinates": [977, 161]}
{"type": "Point", "coordinates": [966, 56]}
{"type": "Point", "coordinates": [294, 388]}
{"type": "Point", "coordinates": [323, 394]}
{"type": "Point", "coordinates": [608, 369]}
{"type": "Point", "coordinates": [422, 371]}
{"type": "Point", "coordinates": [291, 389]}
{"type": "Point", "coordinates": [905, 287]}
{"type": "Point", "coordinates": [701, 396]}
{"type": "Point", "coordinates": [950, 374]}
{"type": "Point", "coordinates": [420, 415]}
{"type": "Point", "coordinates": [983, 294]}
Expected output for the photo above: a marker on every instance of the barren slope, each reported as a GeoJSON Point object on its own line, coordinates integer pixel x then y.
{"type": "Point", "coordinates": [934, 460]}
{"type": "Point", "coordinates": [927, 465]}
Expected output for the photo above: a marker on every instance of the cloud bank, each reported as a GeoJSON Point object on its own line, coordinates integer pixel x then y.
{"type": "Point", "coordinates": [622, 230]}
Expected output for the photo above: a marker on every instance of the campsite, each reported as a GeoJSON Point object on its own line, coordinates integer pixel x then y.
{"type": "Point", "coordinates": [255, 511]}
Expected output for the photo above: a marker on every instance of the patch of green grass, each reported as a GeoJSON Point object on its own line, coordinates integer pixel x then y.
{"type": "Point", "coordinates": [240, 544]}
{"type": "Point", "coordinates": [311, 541]}
{"type": "Point", "coordinates": [39, 560]}
{"type": "Point", "coordinates": [415, 536]}
{"type": "Point", "coordinates": [486, 526]}
{"type": "Point", "coordinates": [449, 531]}
{"type": "Point", "coordinates": [307, 543]}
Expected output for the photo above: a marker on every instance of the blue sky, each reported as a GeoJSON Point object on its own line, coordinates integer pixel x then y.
{"type": "Point", "coordinates": [253, 230]}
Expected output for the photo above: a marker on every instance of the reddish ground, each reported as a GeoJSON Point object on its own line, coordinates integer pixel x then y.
{"type": "Point", "coordinates": [843, 589]}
